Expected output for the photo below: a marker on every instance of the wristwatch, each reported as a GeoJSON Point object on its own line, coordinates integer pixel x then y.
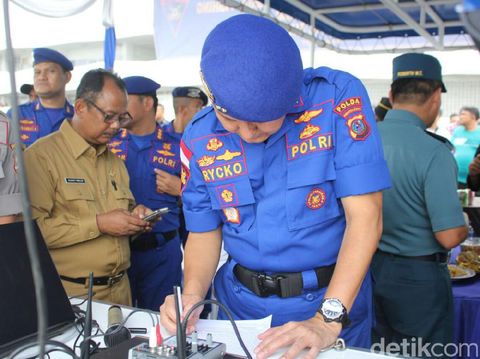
{"type": "Point", "coordinates": [333, 310]}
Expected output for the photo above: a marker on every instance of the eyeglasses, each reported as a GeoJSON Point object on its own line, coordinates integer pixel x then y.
{"type": "Point", "coordinates": [122, 118]}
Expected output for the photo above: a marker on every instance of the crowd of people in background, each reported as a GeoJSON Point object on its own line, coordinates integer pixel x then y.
{"type": "Point", "coordinates": [276, 142]}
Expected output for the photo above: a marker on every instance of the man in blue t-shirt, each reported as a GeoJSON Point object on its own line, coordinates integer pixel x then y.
{"type": "Point", "coordinates": [466, 138]}
{"type": "Point", "coordinates": [39, 118]}
{"type": "Point", "coordinates": [146, 148]}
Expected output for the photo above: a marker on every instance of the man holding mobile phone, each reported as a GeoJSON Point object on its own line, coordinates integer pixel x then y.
{"type": "Point", "coordinates": [80, 196]}
{"type": "Point", "coordinates": [145, 147]}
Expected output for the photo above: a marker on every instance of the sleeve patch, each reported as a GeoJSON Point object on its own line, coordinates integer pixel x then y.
{"type": "Point", "coordinates": [358, 127]}
{"type": "Point", "coordinates": [348, 107]}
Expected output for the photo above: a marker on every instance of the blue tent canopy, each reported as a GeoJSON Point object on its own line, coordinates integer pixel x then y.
{"type": "Point", "coordinates": [366, 26]}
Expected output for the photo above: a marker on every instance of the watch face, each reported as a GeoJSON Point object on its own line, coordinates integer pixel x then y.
{"type": "Point", "coordinates": [332, 309]}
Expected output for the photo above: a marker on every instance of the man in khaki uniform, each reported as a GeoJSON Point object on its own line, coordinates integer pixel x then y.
{"type": "Point", "coordinates": [10, 198]}
{"type": "Point", "coordinates": [80, 193]}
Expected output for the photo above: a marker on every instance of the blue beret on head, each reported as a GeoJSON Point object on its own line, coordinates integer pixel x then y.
{"type": "Point", "coordinates": [251, 68]}
{"type": "Point", "coordinates": [43, 54]}
{"type": "Point", "coordinates": [137, 85]}
{"type": "Point", "coordinates": [417, 66]}
{"type": "Point", "coordinates": [190, 92]}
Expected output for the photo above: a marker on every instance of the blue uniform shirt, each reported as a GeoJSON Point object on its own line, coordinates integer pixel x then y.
{"type": "Point", "coordinates": [279, 201]}
{"type": "Point", "coordinates": [37, 121]}
{"type": "Point", "coordinates": [162, 152]}
{"type": "Point", "coordinates": [423, 199]}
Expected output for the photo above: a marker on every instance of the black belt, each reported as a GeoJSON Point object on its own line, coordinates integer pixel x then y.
{"type": "Point", "coordinates": [97, 280]}
{"type": "Point", "coordinates": [282, 284]}
{"type": "Point", "coordinates": [435, 257]}
{"type": "Point", "coordinates": [149, 241]}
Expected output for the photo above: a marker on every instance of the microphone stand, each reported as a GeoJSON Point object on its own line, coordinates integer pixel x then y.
{"type": "Point", "coordinates": [180, 333]}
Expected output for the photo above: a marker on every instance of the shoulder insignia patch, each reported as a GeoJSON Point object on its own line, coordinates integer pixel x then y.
{"type": "Point", "coordinates": [441, 139]}
{"type": "Point", "coordinates": [316, 198]}
{"type": "Point", "coordinates": [349, 106]}
{"type": "Point", "coordinates": [358, 127]}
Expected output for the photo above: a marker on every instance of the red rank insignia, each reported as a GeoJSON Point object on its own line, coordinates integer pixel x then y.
{"type": "Point", "coordinates": [316, 198]}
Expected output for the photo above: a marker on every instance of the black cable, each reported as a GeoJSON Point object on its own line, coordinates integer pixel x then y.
{"type": "Point", "coordinates": [229, 315]}
{"type": "Point", "coordinates": [40, 298]}
{"type": "Point", "coordinates": [58, 345]}
{"type": "Point", "coordinates": [81, 297]}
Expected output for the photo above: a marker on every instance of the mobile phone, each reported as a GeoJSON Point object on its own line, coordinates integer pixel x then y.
{"type": "Point", "coordinates": [152, 217]}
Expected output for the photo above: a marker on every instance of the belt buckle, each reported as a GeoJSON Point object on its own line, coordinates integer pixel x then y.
{"type": "Point", "coordinates": [114, 279]}
{"type": "Point", "coordinates": [266, 285]}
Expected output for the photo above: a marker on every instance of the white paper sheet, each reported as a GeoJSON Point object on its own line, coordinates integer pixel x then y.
{"type": "Point", "coordinates": [222, 331]}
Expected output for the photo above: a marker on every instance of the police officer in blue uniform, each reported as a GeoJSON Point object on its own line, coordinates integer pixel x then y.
{"type": "Point", "coordinates": [51, 73]}
{"type": "Point", "coordinates": [187, 101]}
{"type": "Point", "coordinates": [145, 147]}
{"type": "Point", "coordinates": [286, 168]}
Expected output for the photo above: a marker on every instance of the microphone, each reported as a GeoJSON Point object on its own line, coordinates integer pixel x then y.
{"type": "Point", "coordinates": [115, 334]}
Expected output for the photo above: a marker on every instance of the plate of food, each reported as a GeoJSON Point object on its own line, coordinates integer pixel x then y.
{"type": "Point", "coordinates": [457, 272]}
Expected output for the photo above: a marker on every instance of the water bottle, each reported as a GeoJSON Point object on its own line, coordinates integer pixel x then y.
{"type": "Point", "coordinates": [471, 232]}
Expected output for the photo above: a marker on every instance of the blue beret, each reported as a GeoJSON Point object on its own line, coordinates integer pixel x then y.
{"type": "Point", "coordinates": [251, 68]}
{"type": "Point", "coordinates": [417, 66]}
{"type": "Point", "coordinates": [190, 92]}
{"type": "Point", "coordinates": [43, 54]}
{"type": "Point", "coordinates": [137, 85]}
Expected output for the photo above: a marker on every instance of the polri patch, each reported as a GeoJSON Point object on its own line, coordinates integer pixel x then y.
{"type": "Point", "coordinates": [349, 106]}
{"type": "Point", "coordinates": [358, 127]}
{"type": "Point", "coordinates": [316, 198]}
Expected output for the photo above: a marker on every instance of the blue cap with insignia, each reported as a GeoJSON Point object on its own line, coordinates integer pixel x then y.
{"type": "Point", "coordinates": [42, 54]}
{"type": "Point", "coordinates": [417, 66]}
{"type": "Point", "coordinates": [251, 69]}
{"type": "Point", "coordinates": [137, 85]}
{"type": "Point", "coordinates": [190, 92]}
